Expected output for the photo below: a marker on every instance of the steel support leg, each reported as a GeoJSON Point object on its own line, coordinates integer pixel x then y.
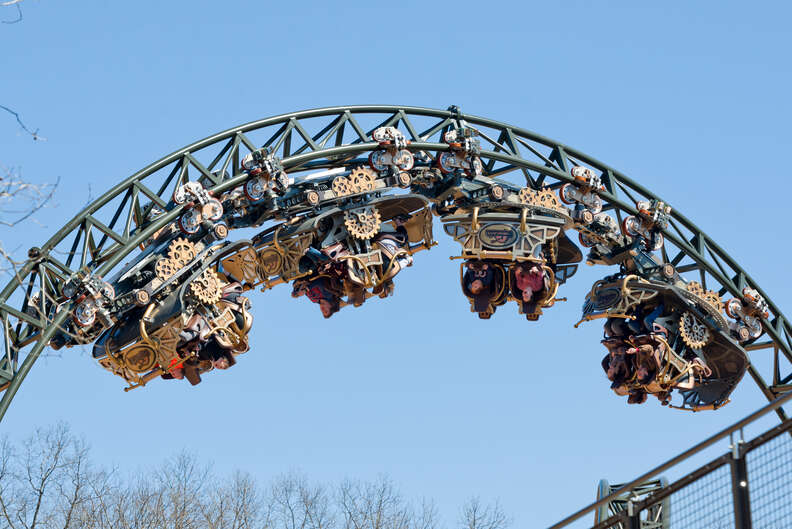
{"type": "Point", "coordinates": [633, 517]}
{"type": "Point", "coordinates": [739, 475]}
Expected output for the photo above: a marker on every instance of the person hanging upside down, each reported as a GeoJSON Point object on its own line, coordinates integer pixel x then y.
{"type": "Point", "coordinates": [531, 284]}
{"type": "Point", "coordinates": [482, 283]}
{"type": "Point", "coordinates": [637, 396]}
{"type": "Point", "coordinates": [479, 277]}
{"type": "Point", "coordinates": [320, 290]}
{"type": "Point", "coordinates": [530, 280]}
{"type": "Point", "coordinates": [394, 244]}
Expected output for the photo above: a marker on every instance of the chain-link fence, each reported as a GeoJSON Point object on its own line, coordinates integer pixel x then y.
{"type": "Point", "coordinates": [704, 504]}
{"type": "Point", "coordinates": [770, 483]}
{"type": "Point", "coordinates": [750, 487]}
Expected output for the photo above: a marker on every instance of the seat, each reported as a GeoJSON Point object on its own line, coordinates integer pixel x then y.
{"type": "Point", "coordinates": [486, 304]}
{"type": "Point", "coordinates": [533, 309]}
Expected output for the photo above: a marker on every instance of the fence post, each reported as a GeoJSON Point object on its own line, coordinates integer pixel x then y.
{"type": "Point", "coordinates": [739, 475]}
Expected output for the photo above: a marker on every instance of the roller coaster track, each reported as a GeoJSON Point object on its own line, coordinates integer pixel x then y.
{"type": "Point", "coordinates": [112, 227]}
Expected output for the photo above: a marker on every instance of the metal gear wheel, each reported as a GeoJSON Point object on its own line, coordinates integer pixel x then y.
{"type": "Point", "coordinates": [695, 288]}
{"type": "Point", "coordinates": [527, 196]}
{"type": "Point", "coordinates": [165, 268]}
{"type": "Point", "coordinates": [341, 186]}
{"type": "Point", "coordinates": [181, 251]}
{"type": "Point", "coordinates": [549, 200]}
{"type": "Point", "coordinates": [206, 287]}
{"type": "Point", "coordinates": [362, 223]}
{"type": "Point", "coordinates": [709, 296]}
{"type": "Point", "coordinates": [693, 332]}
{"type": "Point", "coordinates": [714, 300]}
{"type": "Point", "coordinates": [362, 180]}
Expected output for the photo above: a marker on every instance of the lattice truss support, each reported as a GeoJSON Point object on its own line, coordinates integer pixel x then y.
{"type": "Point", "coordinates": [655, 517]}
{"type": "Point", "coordinates": [112, 228]}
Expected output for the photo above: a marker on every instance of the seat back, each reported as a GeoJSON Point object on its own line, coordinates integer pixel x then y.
{"type": "Point", "coordinates": [486, 303]}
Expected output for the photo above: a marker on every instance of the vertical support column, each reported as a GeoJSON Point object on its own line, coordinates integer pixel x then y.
{"type": "Point", "coordinates": [633, 517]}
{"type": "Point", "coordinates": [739, 475]}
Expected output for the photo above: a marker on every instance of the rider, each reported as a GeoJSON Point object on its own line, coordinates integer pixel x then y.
{"type": "Point", "coordinates": [617, 368]}
{"type": "Point", "coordinates": [530, 284]}
{"type": "Point", "coordinates": [646, 362]}
{"type": "Point", "coordinates": [637, 396]}
{"type": "Point", "coordinates": [322, 290]}
{"type": "Point", "coordinates": [482, 284]}
{"type": "Point", "coordinates": [393, 242]}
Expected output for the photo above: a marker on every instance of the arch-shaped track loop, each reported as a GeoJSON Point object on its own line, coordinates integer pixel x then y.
{"type": "Point", "coordinates": [106, 232]}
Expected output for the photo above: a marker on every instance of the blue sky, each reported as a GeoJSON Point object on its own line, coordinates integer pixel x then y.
{"type": "Point", "coordinates": [689, 99]}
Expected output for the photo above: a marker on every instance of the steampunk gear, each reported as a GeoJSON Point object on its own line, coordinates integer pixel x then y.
{"type": "Point", "coordinates": [695, 288]}
{"type": "Point", "coordinates": [693, 332]}
{"type": "Point", "coordinates": [206, 287]}
{"type": "Point", "coordinates": [709, 296]}
{"type": "Point", "coordinates": [342, 186]}
{"type": "Point", "coordinates": [549, 200]}
{"type": "Point", "coordinates": [362, 223]}
{"type": "Point", "coordinates": [166, 268]}
{"type": "Point", "coordinates": [361, 180]}
{"type": "Point", "coordinates": [312, 197]}
{"type": "Point", "coordinates": [181, 251]}
{"type": "Point", "coordinates": [544, 198]}
{"type": "Point", "coordinates": [526, 195]}
{"type": "Point", "coordinates": [714, 300]}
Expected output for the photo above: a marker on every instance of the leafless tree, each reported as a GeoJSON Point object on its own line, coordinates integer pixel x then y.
{"type": "Point", "coordinates": [183, 485]}
{"type": "Point", "coordinates": [235, 504]}
{"type": "Point", "coordinates": [293, 503]}
{"type": "Point", "coordinates": [180, 494]}
{"type": "Point", "coordinates": [47, 482]}
{"type": "Point", "coordinates": [378, 505]}
{"type": "Point", "coordinates": [474, 515]}
{"type": "Point", "coordinates": [115, 505]}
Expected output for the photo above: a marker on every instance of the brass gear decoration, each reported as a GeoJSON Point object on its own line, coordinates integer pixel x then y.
{"type": "Point", "coordinates": [694, 333]}
{"type": "Point", "coordinates": [544, 198]}
{"type": "Point", "coordinates": [695, 288]}
{"type": "Point", "coordinates": [527, 196]}
{"type": "Point", "coordinates": [181, 251]}
{"type": "Point", "coordinates": [549, 200]}
{"type": "Point", "coordinates": [362, 223]}
{"type": "Point", "coordinates": [361, 180]}
{"type": "Point", "coordinates": [341, 186]}
{"type": "Point", "coordinates": [165, 268]}
{"type": "Point", "coordinates": [714, 300]}
{"type": "Point", "coordinates": [206, 287]}
{"type": "Point", "coordinates": [711, 297]}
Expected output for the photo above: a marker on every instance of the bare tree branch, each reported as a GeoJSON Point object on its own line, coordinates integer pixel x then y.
{"type": "Point", "coordinates": [29, 198]}
{"type": "Point", "coordinates": [49, 482]}
{"type": "Point", "coordinates": [474, 515]}
{"type": "Point", "coordinates": [24, 127]}
{"type": "Point", "coordinates": [378, 505]}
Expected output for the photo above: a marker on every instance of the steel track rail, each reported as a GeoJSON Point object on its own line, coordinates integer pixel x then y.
{"type": "Point", "coordinates": [118, 220]}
